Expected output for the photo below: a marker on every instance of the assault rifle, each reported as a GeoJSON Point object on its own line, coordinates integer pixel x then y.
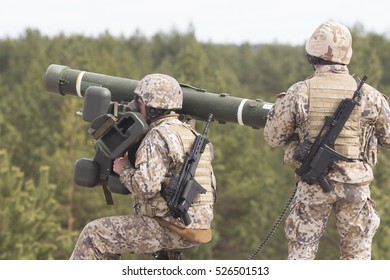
{"type": "Point", "coordinates": [183, 188]}
{"type": "Point", "coordinates": [317, 158]}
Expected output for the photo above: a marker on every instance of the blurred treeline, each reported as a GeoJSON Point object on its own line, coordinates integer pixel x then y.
{"type": "Point", "coordinates": [41, 210]}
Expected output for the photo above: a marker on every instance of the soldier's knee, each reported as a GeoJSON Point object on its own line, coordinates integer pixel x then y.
{"type": "Point", "coordinates": [370, 219]}
{"type": "Point", "coordinates": [299, 251]}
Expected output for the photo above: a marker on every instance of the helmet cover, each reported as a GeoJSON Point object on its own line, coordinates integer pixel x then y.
{"type": "Point", "coordinates": [160, 91]}
{"type": "Point", "coordinates": [331, 41]}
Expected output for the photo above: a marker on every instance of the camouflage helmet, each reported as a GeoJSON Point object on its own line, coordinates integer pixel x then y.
{"type": "Point", "coordinates": [160, 91]}
{"type": "Point", "coordinates": [331, 41]}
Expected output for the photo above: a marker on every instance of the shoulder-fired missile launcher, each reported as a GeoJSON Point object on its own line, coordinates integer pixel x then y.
{"type": "Point", "coordinates": [117, 126]}
{"type": "Point", "coordinates": [197, 102]}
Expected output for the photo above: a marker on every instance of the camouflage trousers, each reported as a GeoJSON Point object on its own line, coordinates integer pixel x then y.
{"type": "Point", "coordinates": [108, 238]}
{"type": "Point", "coordinates": [355, 216]}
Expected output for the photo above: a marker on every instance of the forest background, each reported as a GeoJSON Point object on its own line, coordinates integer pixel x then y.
{"type": "Point", "coordinates": [42, 211]}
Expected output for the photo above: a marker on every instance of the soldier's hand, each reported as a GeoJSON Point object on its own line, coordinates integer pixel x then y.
{"type": "Point", "coordinates": [121, 163]}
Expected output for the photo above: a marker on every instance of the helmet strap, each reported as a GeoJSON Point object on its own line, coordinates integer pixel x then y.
{"type": "Point", "coordinates": [153, 113]}
{"type": "Point", "coordinates": [317, 60]}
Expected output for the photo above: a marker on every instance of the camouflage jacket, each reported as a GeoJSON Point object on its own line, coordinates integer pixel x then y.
{"type": "Point", "coordinates": [159, 154]}
{"type": "Point", "coordinates": [290, 114]}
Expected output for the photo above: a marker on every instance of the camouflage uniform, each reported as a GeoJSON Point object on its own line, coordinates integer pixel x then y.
{"type": "Point", "coordinates": [356, 218]}
{"type": "Point", "coordinates": [108, 238]}
{"type": "Point", "coordinates": [161, 154]}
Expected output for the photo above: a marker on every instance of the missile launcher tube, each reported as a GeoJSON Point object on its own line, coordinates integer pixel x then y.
{"type": "Point", "coordinates": [197, 103]}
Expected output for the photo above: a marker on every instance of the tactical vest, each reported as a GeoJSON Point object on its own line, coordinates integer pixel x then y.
{"type": "Point", "coordinates": [157, 206]}
{"type": "Point", "coordinates": [325, 94]}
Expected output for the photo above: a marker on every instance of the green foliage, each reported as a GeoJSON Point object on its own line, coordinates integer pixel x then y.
{"type": "Point", "coordinates": [28, 223]}
{"type": "Point", "coordinates": [39, 221]}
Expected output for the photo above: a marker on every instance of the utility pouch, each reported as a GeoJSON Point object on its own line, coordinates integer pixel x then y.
{"type": "Point", "coordinates": [370, 152]}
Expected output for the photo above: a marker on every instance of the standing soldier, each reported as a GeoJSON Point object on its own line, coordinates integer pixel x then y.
{"type": "Point", "coordinates": [299, 114]}
{"type": "Point", "coordinates": [159, 156]}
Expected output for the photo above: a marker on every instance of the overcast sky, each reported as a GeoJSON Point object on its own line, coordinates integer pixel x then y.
{"type": "Point", "coordinates": [217, 21]}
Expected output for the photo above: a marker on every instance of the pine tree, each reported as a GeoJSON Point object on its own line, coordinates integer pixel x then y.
{"type": "Point", "coordinates": [28, 225]}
